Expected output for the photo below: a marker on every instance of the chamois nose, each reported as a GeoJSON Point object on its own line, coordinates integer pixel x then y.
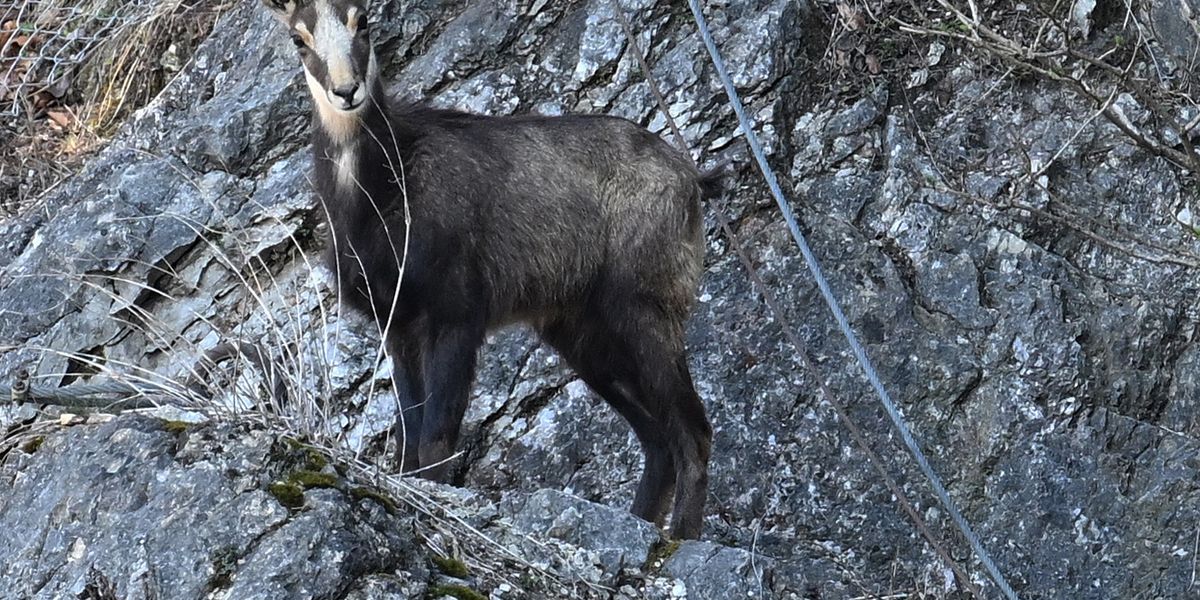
{"type": "Point", "coordinates": [346, 92]}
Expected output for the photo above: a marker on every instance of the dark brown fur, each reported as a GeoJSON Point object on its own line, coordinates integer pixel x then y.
{"type": "Point", "coordinates": [586, 227]}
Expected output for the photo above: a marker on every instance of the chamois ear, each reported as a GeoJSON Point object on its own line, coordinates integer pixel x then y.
{"type": "Point", "coordinates": [282, 9]}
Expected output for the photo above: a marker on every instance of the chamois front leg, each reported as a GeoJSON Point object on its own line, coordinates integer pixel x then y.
{"type": "Point", "coordinates": [448, 370]}
{"type": "Point", "coordinates": [410, 400]}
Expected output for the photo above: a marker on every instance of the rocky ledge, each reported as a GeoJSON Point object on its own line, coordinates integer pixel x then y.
{"type": "Point", "coordinates": [142, 508]}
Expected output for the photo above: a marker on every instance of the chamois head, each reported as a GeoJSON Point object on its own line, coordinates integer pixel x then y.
{"type": "Point", "coordinates": [334, 42]}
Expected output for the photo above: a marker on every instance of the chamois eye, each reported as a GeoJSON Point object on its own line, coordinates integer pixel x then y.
{"type": "Point", "coordinates": [297, 40]}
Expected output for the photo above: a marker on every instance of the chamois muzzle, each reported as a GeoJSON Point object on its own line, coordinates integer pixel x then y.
{"type": "Point", "coordinates": [348, 97]}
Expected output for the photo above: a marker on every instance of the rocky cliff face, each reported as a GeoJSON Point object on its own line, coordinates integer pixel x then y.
{"type": "Point", "coordinates": [1044, 346]}
{"type": "Point", "coordinates": [145, 508]}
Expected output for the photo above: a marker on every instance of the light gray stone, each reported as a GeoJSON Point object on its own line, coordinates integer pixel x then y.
{"type": "Point", "coordinates": [618, 538]}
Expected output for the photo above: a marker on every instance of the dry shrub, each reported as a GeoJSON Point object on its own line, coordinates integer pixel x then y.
{"type": "Point", "coordinates": [71, 71]}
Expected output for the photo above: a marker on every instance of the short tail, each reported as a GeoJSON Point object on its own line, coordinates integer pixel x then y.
{"type": "Point", "coordinates": [712, 181]}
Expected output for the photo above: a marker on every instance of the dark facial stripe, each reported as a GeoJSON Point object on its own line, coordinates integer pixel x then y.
{"type": "Point", "coordinates": [335, 55]}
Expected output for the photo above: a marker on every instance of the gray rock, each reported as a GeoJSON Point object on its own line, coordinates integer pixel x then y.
{"type": "Point", "coordinates": [322, 551]}
{"type": "Point", "coordinates": [711, 571]}
{"type": "Point", "coordinates": [618, 538]}
{"type": "Point", "coordinates": [1172, 26]}
{"type": "Point", "coordinates": [182, 515]}
{"type": "Point", "coordinates": [153, 509]}
{"type": "Point", "coordinates": [378, 587]}
{"type": "Point", "coordinates": [860, 116]}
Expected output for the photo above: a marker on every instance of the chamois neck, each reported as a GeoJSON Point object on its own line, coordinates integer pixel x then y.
{"type": "Point", "coordinates": [351, 145]}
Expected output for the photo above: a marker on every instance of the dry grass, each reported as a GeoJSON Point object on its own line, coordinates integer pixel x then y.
{"type": "Point", "coordinates": [71, 71]}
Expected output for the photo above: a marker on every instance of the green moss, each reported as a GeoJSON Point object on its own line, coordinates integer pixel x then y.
{"type": "Point", "coordinates": [313, 459]}
{"type": "Point", "coordinates": [451, 566]}
{"type": "Point", "coordinates": [312, 479]}
{"type": "Point", "coordinates": [951, 25]}
{"type": "Point", "coordinates": [461, 592]}
{"type": "Point", "coordinates": [300, 468]}
{"type": "Point", "coordinates": [288, 494]}
{"type": "Point", "coordinates": [33, 444]}
{"type": "Point", "coordinates": [361, 492]}
{"type": "Point", "coordinates": [316, 460]}
{"type": "Point", "coordinates": [661, 551]}
{"type": "Point", "coordinates": [176, 427]}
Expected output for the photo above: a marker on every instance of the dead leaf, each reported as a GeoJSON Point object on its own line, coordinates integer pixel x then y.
{"type": "Point", "coordinates": [841, 58]}
{"type": "Point", "coordinates": [852, 17]}
{"type": "Point", "coordinates": [42, 99]}
{"type": "Point", "coordinates": [61, 118]}
{"type": "Point", "coordinates": [873, 65]}
{"type": "Point", "coordinates": [61, 86]}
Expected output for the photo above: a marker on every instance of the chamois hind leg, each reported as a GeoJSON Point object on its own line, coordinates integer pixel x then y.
{"type": "Point", "coordinates": [603, 359]}
{"type": "Point", "coordinates": [689, 438]}
{"type": "Point", "coordinates": [405, 350]}
{"type": "Point", "coordinates": [448, 370]}
{"type": "Point", "coordinates": [665, 390]}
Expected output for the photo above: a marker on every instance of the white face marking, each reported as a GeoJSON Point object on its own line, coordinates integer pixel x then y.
{"type": "Point", "coordinates": [334, 44]}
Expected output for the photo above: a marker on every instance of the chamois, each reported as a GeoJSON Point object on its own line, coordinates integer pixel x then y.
{"type": "Point", "coordinates": [444, 224]}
